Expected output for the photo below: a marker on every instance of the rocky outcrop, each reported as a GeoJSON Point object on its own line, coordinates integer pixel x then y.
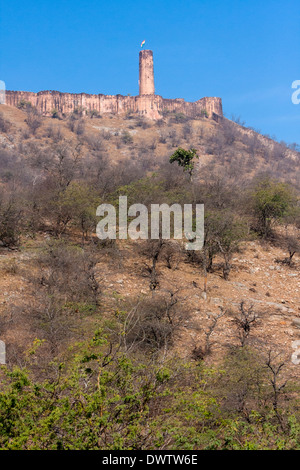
{"type": "Point", "coordinates": [151, 106]}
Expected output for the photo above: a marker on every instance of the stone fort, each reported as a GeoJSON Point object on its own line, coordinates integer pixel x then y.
{"type": "Point", "coordinates": [146, 104]}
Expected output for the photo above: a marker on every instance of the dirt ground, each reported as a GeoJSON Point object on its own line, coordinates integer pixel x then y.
{"type": "Point", "coordinates": [272, 288]}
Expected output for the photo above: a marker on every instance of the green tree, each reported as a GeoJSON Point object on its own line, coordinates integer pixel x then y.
{"type": "Point", "coordinates": [55, 113]}
{"type": "Point", "coordinates": [185, 158]}
{"type": "Point", "coordinates": [271, 201]}
{"type": "Point", "coordinates": [222, 234]}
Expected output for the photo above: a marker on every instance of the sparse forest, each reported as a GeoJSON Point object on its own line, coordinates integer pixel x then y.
{"type": "Point", "coordinates": [142, 344]}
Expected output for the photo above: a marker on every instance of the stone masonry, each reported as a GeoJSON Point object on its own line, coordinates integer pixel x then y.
{"type": "Point", "coordinates": [145, 104]}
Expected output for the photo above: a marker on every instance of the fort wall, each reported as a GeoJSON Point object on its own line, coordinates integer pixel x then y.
{"type": "Point", "coordinates": [151, 106]}
{"type": "Point", "coordinates": [145, 104]}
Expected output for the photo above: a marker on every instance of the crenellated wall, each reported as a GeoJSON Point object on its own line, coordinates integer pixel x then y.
{"type": "Point", "coordinates": [151, 106]}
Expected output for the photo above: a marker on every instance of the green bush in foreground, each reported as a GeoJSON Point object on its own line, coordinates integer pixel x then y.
{"type": "Point", "coordinates": [106, 399]}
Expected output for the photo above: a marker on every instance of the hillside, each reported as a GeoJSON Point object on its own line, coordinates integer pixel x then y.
{"type": "Point", "coordinates": [227, 151]}
{"type": "Point", "coordinates": [59, 283]}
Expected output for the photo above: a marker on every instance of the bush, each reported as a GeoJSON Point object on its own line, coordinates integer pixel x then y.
{"type": "Point", "coordinates": [4, 125]}
{"type": "Point", "coordinates": [153, 323]}
{"type": "Point", "coordinates": [271, 201]}
{"type": "Point", "coordinates": [126, 137]}
{"type": "Point", "coordinates": [23, 104]}
{"type": "Point", "coordinates": [33, 120]}
{"type": "Point", "coordinates": [10, 224]}
{"type": "Point", "coordinates": [55, 114]}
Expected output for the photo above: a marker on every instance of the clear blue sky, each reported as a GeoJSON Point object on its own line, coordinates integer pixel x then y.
{"type": "Point", "coordinates": [245, 51]}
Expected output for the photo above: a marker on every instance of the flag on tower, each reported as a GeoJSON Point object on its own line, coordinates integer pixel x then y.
{"type": "Point", "coordinates": [143, 42]}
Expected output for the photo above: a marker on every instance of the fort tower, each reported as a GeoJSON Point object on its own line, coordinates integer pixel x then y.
{"type": "Point", "coordinates": [146, 76]}
{"type": "Point", "coordinates": [146, 104]}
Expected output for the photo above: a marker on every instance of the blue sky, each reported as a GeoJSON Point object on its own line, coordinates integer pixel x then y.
{"type": "Point", "coordinates": [247, 52]}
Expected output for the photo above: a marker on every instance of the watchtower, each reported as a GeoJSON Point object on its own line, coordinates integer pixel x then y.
{"type": "Point", "coordinates": [146, 81]}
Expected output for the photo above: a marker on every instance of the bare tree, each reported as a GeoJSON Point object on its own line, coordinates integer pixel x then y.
{"type": "Point", "coordinates": [4, 124]}
{"type": "Point", "coordinates": [33, 119]}
{"type": "Point", "coordinates": [210, 330]}
{"type": "Point", "coordinates": [244, 322]}
{"type": "Point", "coordinates": [293, 247]}
{"type": "Point", "coordinates": [171, 254]}
{"type": "Point", "coordinates": [277, 388]}
{"type": "Point", "coordinates": [200, 352]}
{"type": "Point", "coordinates": [152, 323]}
{"type": "Point", "coordinates": [153, 249]}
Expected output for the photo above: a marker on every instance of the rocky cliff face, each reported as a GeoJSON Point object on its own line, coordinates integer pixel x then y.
{"type": "Point", "coordinates": [151, 106]}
